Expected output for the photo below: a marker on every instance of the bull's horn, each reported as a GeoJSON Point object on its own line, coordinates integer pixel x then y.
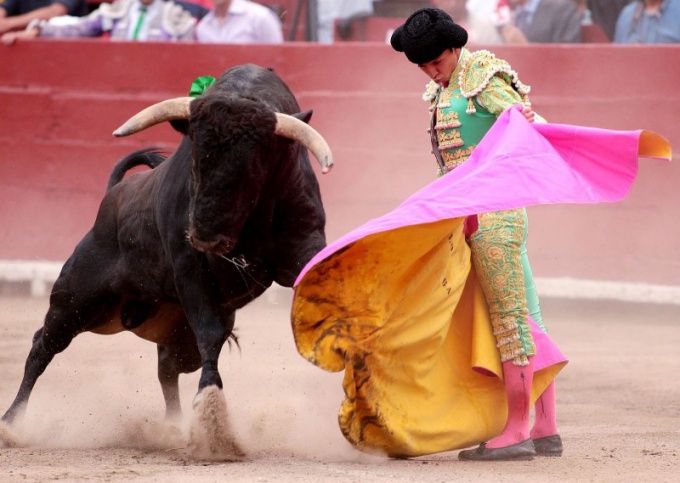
{"type": "Point", "coordinates": [292, 128]}
{"type": "Point", "coordinates": [178, 108]}
{"type": "Point", "coordinates": [168, 110]}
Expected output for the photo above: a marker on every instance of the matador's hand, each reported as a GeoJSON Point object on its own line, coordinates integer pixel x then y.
{"type": "Point", "coordinates": [528, 113]}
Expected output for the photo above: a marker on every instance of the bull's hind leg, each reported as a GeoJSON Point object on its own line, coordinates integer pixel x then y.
{"type": "Point", "coordinates": [174, 360]}
{"type": "Point", "coordinates": [75, 306]}
{"type": "Point", "coordinates": [63, 322]}
{"type": "Point", "coordinates": [40, 356]}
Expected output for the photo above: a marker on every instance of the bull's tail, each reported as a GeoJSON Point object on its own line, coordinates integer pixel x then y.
{"type": "Point", "coordinates": [150, 157]}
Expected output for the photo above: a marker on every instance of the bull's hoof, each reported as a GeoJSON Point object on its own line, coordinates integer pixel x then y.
{"type": "Point", "coordinates": [211, 437]}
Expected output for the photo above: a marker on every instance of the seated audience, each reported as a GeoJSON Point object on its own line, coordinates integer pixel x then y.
{"type": "Point", "coordinates": [327, 13]}
{"type": "Point", "coordinates": [540, 21]}
{"type": "Point", "coordinates": [339, 16]}
{"type": "Point", "coordinates": [17, 14]}
{"type": "Point", "coordinates": [239, 22]}
{"type": "Point", "coordinates": [591, 32]}
{"type": "Point", "coordinates": [649, 22]}
{"type": "Point", "coordinates": [137, 20]}
{"type": "Point", "coordinates": [481, 30]}
{"type": "Point", "coordinates": [482, 8]}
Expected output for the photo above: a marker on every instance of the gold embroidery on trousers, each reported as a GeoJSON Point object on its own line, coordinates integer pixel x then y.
{"type": "Point", "coordinates": [496, 253]}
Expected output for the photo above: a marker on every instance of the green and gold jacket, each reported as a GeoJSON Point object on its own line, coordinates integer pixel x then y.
{"type": "Point", "coordinates": [481, 87]}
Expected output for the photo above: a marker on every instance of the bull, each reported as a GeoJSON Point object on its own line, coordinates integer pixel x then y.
{"type": "Point", "coordinates": [176, 250]}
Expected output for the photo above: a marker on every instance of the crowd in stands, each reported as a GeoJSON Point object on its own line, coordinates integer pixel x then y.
{"type": "Point", "coordinates": [206, 21]}
{"type": "Point", "coordinates": [247, 21]}
{"type": "Point", "coordinates": [542, 21]}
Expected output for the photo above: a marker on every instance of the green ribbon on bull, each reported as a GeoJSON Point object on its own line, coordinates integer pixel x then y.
{"type": "Point", "coordinates": [200, 84]}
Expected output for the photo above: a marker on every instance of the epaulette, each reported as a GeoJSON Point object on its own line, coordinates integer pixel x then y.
{"type": "Point", "coordinates": [431, 91]}
{"type": "Point", "coordinates": [475, 75]}
{"type": "Point", "coordinates": [113, 10]}
{"type": "Point", "coordinates": [176, 20]}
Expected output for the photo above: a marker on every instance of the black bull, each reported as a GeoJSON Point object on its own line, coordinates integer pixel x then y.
{"type": "Point", "coordinates": [176, 250]}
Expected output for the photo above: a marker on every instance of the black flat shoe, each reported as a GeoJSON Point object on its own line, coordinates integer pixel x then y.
{"type": "Point", "coordinates": [549, 446]}
{"type": "Point", "coordinates": [523, 451]}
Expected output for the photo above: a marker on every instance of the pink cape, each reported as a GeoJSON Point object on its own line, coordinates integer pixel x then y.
{"type": "Point", "coordinates": [520, 164]}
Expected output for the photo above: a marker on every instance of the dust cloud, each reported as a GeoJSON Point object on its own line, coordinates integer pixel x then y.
{"type": "Point", "coordinates": [102, 392]}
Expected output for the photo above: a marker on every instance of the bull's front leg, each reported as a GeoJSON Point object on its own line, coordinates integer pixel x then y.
{"type": "Point", "coordinates": [210, 322]}
{"type": "Point", "coordinates": [211, 435]}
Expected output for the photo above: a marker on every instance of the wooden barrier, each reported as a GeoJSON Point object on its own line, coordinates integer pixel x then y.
{"type": "Point", "coordinates": [61, 100]}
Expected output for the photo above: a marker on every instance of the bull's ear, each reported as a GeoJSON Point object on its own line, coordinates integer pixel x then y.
{"type": "Point", "coordinates": [180, 125]}
{"type": "Point", "coordinates": [304, 116]}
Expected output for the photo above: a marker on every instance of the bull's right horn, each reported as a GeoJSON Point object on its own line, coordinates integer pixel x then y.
{"type": "Point", "coordinates": [169, 110]}
{"type": "Point", "coordinates": [297, 130]}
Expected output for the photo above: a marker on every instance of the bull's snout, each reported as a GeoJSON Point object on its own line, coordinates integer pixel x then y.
{"type": "Point", "coordinates": [220, 245]}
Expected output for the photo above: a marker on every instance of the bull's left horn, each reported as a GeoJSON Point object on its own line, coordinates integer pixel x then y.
{"type": "Point", "coordinates": [292, 128]}
{"type": "Point", "coordinates": [168, 110]}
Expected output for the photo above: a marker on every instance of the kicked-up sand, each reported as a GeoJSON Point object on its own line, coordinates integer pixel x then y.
{"type": "Point", "coordinates": [96, 414]}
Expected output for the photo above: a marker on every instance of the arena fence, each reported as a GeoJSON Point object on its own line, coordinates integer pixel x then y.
{"type": "Point", "coordinates": [60, 101]}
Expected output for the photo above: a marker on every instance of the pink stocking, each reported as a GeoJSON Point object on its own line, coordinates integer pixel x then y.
{"type": "Point", "coordinates": [518, 381]}
{"type": "Point", "coordinates": [546, 420]}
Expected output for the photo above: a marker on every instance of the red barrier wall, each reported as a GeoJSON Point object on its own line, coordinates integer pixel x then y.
{"type": "Point", "coordinates": [60, 101]}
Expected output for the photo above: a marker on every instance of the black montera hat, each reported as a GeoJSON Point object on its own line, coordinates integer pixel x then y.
{"type": "Point", "coordinates": [426, 34]}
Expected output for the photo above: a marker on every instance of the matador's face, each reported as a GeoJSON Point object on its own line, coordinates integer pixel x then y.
{"type": "Point", "coordinates": [441, 68]}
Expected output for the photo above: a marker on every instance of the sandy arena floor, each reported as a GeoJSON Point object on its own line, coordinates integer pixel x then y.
{"type": "Point", "coordinates": [96, 413]}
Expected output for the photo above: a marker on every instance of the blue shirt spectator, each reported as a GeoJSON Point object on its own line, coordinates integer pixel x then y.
{"type": "Point", "coordinates": [649, 22]}
{"type": "Point", "coordinates": [542, 21]}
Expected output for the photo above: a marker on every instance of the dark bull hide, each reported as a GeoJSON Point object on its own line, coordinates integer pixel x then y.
{"type": "Point", "coordinates": [176, 250]}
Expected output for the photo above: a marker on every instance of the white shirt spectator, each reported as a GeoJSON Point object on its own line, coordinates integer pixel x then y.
{"type": "Point", "coordinates": [152, 11]}
{"type": "Point", "coordinates": [246, 22]}
{"type": "Point", "coordinates": [482, 8]}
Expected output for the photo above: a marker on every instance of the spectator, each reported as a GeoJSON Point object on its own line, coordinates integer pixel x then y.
{"type": "Point", "coordinates": [327, 12]}
{"type": "Point", "coordinates": [541, 21]}
{"type": "Point", "coordinates": [482, 8]}
{"type": "Point", "coordinates": [584, 12]}
{"type": "Point", "coordinates": [649, 22]}
{"type": "Point", "coordinates": [480, 29]}
{"type": "Point", "coordinates": [137, 20]}
{"type": "Point", "coordinates": [590, 31]}
{"type": "Point", "coordinates": [240, 22]}
{"type": "Point", "coordinates": [605, 13]}
{"type": "Point", "coordinates": [345, 12]}
{"type": "Point", "coordinates": [17, 14]}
